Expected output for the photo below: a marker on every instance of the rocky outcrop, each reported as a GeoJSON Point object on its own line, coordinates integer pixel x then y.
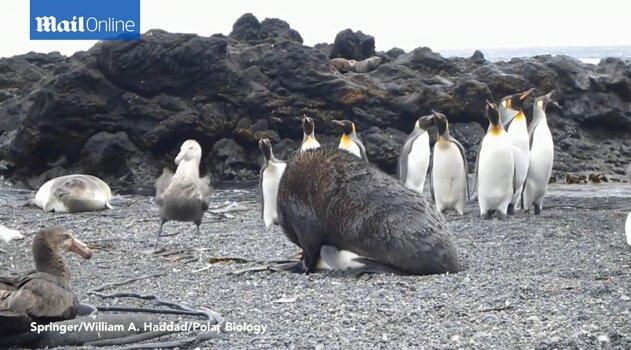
{"type": "Point", "coordinates": [121, 109]}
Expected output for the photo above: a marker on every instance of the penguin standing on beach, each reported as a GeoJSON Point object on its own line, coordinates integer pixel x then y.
{"type": "Point", "coordinates": [270, 175]}
{"type": "Point", "coordinates": [518, 134]}
{"type": "Point", "coordinates": [541, 156]}
{"type": "Point", "coordinates": [308, 135]}
{"type": "Point", "coordinates": [415, 155]}
{"type": "Point", "coordinates": [495, 167]}
{"type": "Point", "coordinates": [449, 183]}
{"type": "Point", "coordinates": [350, 141]}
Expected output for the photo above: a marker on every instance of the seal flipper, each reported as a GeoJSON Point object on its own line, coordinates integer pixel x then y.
{"type": "Point", "coordinates": [373, 266]}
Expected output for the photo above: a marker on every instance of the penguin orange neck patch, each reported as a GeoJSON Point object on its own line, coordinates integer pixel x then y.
{"type": "Point", "coordinates": [496, 130]}
{"type": "Point", "coordinates": [346, 141]}
{"type": "Point", "coordinates": [520, 116]}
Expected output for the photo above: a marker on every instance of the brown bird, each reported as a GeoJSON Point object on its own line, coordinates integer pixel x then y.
{"type": "Point", "coordinates": [44, 295]}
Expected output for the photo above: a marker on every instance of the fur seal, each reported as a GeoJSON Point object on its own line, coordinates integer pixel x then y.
{"type": "Point", "coordinates": [342, 64]}
{"type": "Point", "coordinates": [74, 193]}
{"type": "Point", "coordinates": [366, 65]}
{"type": "Point", "coordinates": [183, 196]}
{"type": "Point", "coordinates": [328, 197]}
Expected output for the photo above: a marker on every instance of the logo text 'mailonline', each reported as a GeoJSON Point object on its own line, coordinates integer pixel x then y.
{"type": "Point", "coordinates": [81, 24]}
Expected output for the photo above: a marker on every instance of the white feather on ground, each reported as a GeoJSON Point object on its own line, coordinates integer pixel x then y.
{"type": "Point", "coordinates": [7, 234]}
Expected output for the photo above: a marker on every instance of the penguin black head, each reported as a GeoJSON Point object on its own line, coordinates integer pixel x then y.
{"type": "Point", "coordinates": [542, 101]}
{"type": "Point", "coordinates": [493, 113]}
{"type": "Point", "coordinates": [266, 148]}
{"type": "Point", "coordinates": [307, 125]}
{"type": "Point", "coordinates": [425, 122]}
{"type": "Point", "coordinates": [516, 101]}
{"type": "Point", "coordinates": [347, 126]}
{"type": "Point", "coordinates": [441, 123]}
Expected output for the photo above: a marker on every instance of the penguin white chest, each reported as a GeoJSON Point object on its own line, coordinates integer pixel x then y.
{"type": "Point", "coordinates": [269, 186]}
{"type": "Point", "coordinates": [309, 143]}
{"type": "Point", "coordinates": [541, 156]}
{"type": "Point", "coordinates": [347, 144]}
{"type": "Point", "coordinates": [417, 163]}
{"type": "Point", "coordinates": [495, 173]}
{"type": "Point", "coordinates": [448, 176]}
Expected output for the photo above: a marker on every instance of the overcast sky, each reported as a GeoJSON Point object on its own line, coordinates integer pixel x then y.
{"type": "Point", "coordinates": [441, 24]}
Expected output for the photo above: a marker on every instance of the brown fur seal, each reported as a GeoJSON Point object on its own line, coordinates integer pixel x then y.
{"type": "Point", "coordinates": [366, 65]}
{"type": "Point", "coordinates": [342, 64]}
{"type": "Point", "coordinates": [330, 197]}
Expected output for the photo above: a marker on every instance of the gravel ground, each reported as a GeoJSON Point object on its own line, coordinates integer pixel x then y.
{"type": "Point", "coordinates": [560, 280]}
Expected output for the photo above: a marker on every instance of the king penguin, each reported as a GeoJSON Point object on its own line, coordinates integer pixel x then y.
{"type": "Point", "coordinates": [350, 141]}
{"type": "Point", "coordinates": [518, 134]}
{"type": "Point", "coordinates": [415, 155]}
{"type": "Point", "coordinates": [308, 135]}
{"type": "Point", "coordinates": [449, 185]}
{"type": "Point", "coordinates": [495, 167]}
{"type": "Point", "coordinates": [271, 173]}
{"type": "Point", "coordinates": [541, 156]}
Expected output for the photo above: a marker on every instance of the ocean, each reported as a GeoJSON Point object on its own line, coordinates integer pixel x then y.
{"type": "Point", "coordinates": [588, 54]}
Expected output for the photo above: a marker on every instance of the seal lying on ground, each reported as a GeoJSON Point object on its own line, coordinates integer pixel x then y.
{"type": "Point", "coordinates": [331, 197]}
{"type": "Point", "coordinates": [74, 193]}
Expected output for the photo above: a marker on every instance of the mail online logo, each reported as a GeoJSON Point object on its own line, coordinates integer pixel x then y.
{"type": "Point", "coordinates": [85, 19]}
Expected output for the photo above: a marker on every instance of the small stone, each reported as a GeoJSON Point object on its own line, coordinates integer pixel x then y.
{"type": "Point", "coordinates": [534, 319]}
{"type": "Point", "coordinates": [603, 338]}
{"type": "Point", "coordinates": [319, 347]}
{"type": "Point", "coordinates": [624, 298]}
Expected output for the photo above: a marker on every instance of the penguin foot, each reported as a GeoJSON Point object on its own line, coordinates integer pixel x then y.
{"type": "Point", "coordinates": [537, 209]}
{"type": "Point", "coordinates": [488, 215]}
{"type": "Point", "coordinates": [511, 209]}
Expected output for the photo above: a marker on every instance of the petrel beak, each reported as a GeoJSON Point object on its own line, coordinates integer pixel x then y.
{"type": "Point", "coordinates": [79, 248]}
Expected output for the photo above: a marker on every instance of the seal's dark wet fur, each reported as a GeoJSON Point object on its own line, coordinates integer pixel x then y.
{"type": "Point", "coordinates": [329, 196]}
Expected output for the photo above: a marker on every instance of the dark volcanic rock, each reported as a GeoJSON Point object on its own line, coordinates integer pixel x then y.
{"type": "Point", "coordinates": [121, 109]}
{"type": "Point", "coordinates": [353, 45]}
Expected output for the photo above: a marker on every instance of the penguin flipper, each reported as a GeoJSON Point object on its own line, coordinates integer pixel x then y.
{"type": "Point", "coordinates": [531, 131]}
{"type": "Point", "coordinates": [402, 165]}
{"type": "Point", "coordinates": [466, 166]}
{"type": "Point", "coordinates": [431, 178]}
{"type": "Point", "coordinates": [477, 165]}
{"type": "Point", "coordinates": [261, 196]}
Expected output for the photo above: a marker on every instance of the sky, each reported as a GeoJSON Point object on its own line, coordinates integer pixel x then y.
{"type": "Point", "coordinates": [440, 25]}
